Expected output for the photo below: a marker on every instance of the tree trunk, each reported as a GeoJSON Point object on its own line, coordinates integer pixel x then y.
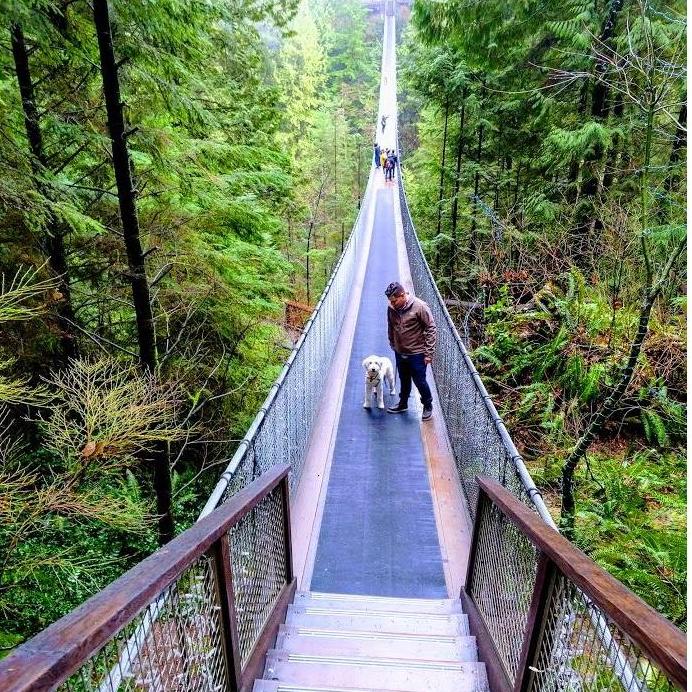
{"type": "Point", "coordinates": [599, 95]}
{"type": "Point", "coordinates": [609, 176]}
{"type": "Point", "coordinates": [442, 181]}
{"type": "Point", "coordinates": [601, 417]}
{"type": "Point", "coordinates": [457, 180]}
{"type": "Point", "coordinates": [26, 89]}
{"type": "Point", "coordinates": [588, 219]}
{"type": "Point", "coordinates": [310, 234]}
{"type": "Point", "coordinates": [135, 257]}
{"type": "Point", "coordinates": [57, 14]}
{"type": "Point", "coordinates": [55, 242]}
{"type": "Point", "coordinates": [501, 160]}
{"type": "Point", "coordinates": [517, 186]}
{"type": "Point", "coordinates": [473, 240]}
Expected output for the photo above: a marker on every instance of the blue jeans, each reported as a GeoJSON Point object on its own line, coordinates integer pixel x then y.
{"type": "Point", "coordinates": [412, 368]}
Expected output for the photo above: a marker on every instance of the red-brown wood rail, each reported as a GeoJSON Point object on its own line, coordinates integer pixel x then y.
{"type": "Point", "coordinates": [658, 639]}
{"type": "Point", "coordinates": [49, 658]}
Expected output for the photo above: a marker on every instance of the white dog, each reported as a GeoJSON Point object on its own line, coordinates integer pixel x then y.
{"type": "Point", "coordinates": [377, 370]}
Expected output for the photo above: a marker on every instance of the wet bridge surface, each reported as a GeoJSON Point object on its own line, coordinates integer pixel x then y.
{"type": "Point", "coordinates": [378, 534]}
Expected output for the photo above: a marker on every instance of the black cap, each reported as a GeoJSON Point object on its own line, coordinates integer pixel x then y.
{"type": "Point", "coordinates": [394, 289]}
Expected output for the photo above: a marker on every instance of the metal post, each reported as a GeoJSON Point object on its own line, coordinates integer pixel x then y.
{"type": "Point", "coordinates": [536, 621]}
{"type": "Point", "coordinates": [287, 529]}
{"type": "Point", "coordinates": [224, 574]}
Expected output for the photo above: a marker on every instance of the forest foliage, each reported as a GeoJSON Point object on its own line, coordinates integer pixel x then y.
{"type": "Point", "coordinates": [144, 291]}
{"type": "Point", "coordinates": [544, 152]}
{"type": "Point", "coordinates": [142, 323]}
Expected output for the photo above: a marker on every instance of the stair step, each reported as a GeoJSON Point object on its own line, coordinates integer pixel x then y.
{"type": "Point", "coordinates": [452, 624]}
{"type": "Point", "coordinates": [356, 602]}
{"type": "Point", "coordinates": [374, 673]}
{"type": "Point", "coordinates": [329, 642]}
{"type": "Point", "coordinates": [276, 686]}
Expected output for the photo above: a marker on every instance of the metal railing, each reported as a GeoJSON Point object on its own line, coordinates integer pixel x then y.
{"type": "Point", "coordinates": [480, 442]}
{"type": "Point", "coordinates": [280, 432]}
{"type": "Point", "coordinates": [540, 609]}
{"type": "Point", "coordinates": [199, 614]}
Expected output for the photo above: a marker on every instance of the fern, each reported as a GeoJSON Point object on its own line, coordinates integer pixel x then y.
{"type": "Point", "coordinates": [485, 353]}
{"type": "Point", "coordinates": [654, 427]}
{"type": "Point", "coordinates": [590, 384]}
{"type": "Point", "coordinates": [564, 146]}
{"type": "Point", "coordinates": [538, 207]}
{"type": "Point", "coordinates": [549, 355]}
{"type": "Point", "coordinates": [573, 374]}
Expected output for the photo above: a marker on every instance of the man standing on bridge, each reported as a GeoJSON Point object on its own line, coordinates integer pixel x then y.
{"type": "Point", "coordinates": [412, 335]}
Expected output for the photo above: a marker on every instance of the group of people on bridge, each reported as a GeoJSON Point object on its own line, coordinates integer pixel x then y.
{"type": "Point", "coordinates": [387, 159]}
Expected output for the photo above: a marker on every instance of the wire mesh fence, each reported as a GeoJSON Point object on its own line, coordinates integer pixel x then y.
{"type": "Point", "coordinates": [199, 632]}
{"type": "Point", "coordinates": [503, 579]}
{"type": "Point", "coordinates": [258, 560]}
{"type": "Point", "coordinates": [574, 654]}
{"type": "Point", "coordinates": [174, 644]}
{"type": "Point", "coordinates": [479, 439]}
{"type": "Point", "coordinates": [281, 430]}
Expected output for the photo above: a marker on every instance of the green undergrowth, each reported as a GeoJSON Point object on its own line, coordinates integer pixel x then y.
{"type": "Point", "coordinates": [549, 363]}
{"type": "Point", "coordinates": [631, 518]}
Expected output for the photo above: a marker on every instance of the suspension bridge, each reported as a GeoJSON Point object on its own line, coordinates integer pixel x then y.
{"type": "Point", "coordinates": [348, 549]}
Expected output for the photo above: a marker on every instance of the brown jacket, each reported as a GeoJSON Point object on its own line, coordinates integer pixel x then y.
{"type": "Point", "coordinates": [412, 329]}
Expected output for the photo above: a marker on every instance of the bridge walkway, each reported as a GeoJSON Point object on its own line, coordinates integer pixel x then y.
{"type": "Point", "coordinates": [380, 528]}
{"type": "Point", "coordinates": [379, 510]}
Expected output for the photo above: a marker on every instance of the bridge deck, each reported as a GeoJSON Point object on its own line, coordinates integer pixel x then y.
{"type": "Point", "coordinates": [378, 534]}
{"type": "Point", "coordinates": [379, 510]}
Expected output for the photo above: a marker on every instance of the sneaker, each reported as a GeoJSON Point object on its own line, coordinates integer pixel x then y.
{"type": "Point", "coordinates": [399, 408]}
{"type": "Point", "coordinates": [427, 412]}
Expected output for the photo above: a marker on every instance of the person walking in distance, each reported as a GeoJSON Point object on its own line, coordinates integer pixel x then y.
{"type": "Point", "coordinates": [412, 335]}
{"type": "Point", "coordinates": [383, 120]}
{"type": "Point", "coordinates": [391, 164]}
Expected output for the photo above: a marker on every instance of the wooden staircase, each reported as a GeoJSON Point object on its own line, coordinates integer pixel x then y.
{"type": "Point", "coordinates": [334, 642]}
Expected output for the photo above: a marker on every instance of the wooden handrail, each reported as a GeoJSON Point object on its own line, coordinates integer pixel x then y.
{"type": "Point", "coordinates": [659, 639]}
{"type": "Point", "coordinates": [49, 658]}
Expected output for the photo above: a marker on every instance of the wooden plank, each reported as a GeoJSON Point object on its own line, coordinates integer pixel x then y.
{"type": "Point", "coordinates": [255, 666]}
{"type": "Point", "coordinates": [50, 657]}
{"type": "Point", "coordinates": [535, 622]}
{"type": "Point", "coordinates": [662, 642]}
